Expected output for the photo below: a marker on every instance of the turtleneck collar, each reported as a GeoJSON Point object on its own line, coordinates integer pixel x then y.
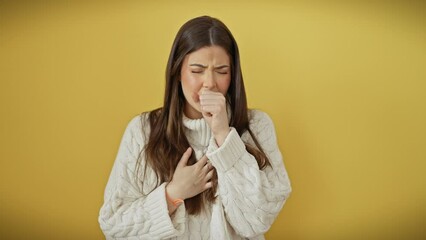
{"type": "Point", "coordinates": [198, 131]}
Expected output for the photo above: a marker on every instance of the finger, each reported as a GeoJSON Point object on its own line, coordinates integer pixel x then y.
{"type": "Point", "coordinates": [207, 167]}
{"type": "Point", "coordinates": [205, 91]}
{"type": "Point", "coordinates": [209, 175]}
{"type": "Point", "coordinates": [184, 159]}
{"type": "Point", "coordinates": [210, 102]}
{"type": "Point", "coordinates": [219, 99]}
{"type": "Point", "coordinates": [202, 161]}
{"type": "Point", "coordinates": [210, 94]}
{"type": "Point", "coordinates": [208, 185]}
{"type": "Point", "coordinates": [211, 109]}
{"type": "Point", "coordinates": [206, 114]}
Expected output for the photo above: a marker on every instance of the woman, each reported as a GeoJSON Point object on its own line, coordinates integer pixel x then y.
{"type": "Point", "coordinates": [203, 166]}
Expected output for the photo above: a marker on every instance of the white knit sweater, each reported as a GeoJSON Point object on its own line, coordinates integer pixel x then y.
{"type": "Point", "coordinates": [248, 199]}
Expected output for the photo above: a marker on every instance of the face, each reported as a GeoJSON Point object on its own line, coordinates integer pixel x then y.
{"type": "Point", "coordinates": [207, 68]}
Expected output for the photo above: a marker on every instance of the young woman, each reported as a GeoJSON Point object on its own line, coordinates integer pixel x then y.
{"type": "Point", "coordinates": [203, 166]}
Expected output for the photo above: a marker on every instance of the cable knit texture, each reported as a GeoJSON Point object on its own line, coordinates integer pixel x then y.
{"type": "Point", "coordinates": [248, 199]}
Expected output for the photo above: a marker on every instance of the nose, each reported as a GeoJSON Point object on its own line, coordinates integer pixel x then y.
{"type": "Point", "coordinates": [209, 81]}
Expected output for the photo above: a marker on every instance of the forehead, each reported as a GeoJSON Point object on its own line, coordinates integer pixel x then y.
{"type": "Point", "coordinates": [210, 54]}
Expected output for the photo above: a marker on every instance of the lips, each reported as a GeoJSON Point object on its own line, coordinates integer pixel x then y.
{"type": "Point", "coordinates": [195, 97]}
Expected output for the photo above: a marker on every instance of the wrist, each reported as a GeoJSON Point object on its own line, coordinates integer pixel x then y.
{"type": "Point", "coordinates": [221, 136]}
{"type": "Point", "coordinates": [175, 202]}
{"type": "Point", "coordinates": [172, 193]}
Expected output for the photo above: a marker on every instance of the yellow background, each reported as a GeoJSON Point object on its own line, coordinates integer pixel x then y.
{"type": "Point", "coordinates": [343, 82]}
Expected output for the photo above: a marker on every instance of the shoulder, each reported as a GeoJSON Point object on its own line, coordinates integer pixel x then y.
{"type": "Point", "coordinates": [136, 122]}
{"type": "Point", "coordinates": [261, 125]}
{"type": "Point", "coordinates": [142, 120]}
{"type": "Point", "coordinates": [259, 119]}
{"type": "Point", "coordinates": [137, 128]}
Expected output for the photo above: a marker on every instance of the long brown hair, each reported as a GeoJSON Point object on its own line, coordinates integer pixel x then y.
{"type": "Point", "coordinates": [167, 141]}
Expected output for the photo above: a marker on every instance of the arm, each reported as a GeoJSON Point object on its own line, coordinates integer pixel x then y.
{"type": "Point", "coordinates": [129, 213]}
{"type": "Point", "coordinates": [252, 198]}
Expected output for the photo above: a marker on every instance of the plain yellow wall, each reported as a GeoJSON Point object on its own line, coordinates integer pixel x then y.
{"type": "Point", "coordinates": [344, 84]}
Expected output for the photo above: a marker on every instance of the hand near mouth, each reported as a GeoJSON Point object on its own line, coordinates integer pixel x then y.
{"type": "Point", "coordinates": [213, 108]}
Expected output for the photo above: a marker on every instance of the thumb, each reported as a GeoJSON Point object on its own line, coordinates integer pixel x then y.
{"type": "Point", "coordinates": [184, 159]}
{"type": "Point", "coordinates": [206, 114]}
{"type": "Point", "coordinates": [208, 117]}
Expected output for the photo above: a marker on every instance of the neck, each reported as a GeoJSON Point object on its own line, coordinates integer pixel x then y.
{"type": "Point", "coordinates": [192, 113]}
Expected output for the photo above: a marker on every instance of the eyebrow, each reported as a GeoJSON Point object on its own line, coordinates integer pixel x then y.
{"type": "Point", "coordinates": [202, 66]}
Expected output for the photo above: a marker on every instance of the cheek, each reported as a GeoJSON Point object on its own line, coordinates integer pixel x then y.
{"type": "Point", "coordinates": [191, 86]}
{"type": "Point", "coordinates": [190, 83]}
{"type": "Point", "coordinates": [224, 85]}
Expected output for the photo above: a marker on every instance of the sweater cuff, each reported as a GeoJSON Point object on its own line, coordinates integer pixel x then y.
{"type": "Point", "coordinates": [179, 218]}
{"type": "Point", "coordinates": [224, 157]}
{"type": "Point", "coordinates": [156, 206]}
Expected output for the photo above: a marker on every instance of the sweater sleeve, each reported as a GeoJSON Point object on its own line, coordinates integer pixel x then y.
{"type": "Point", "coordinates": [128, 212]}
{"type": "Point", "coordinates": [252, 198]}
